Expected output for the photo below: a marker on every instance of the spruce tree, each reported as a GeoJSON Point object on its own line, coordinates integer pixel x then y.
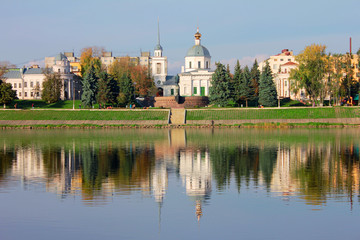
{"type": "Point", "coordinates": [255, 79]}
{"type": "Point", "coordinates": [103, 88]}
{"type": "Point", "coordinates": [267, 89]}
{"type": "Point", "coordinates": [89, 85]}
{"type": "Point", "coordinates": [236, 81]}
{"type": "Point", "coordinates": [127, 91]}
{"type": "Point", "coordinates": [244, 89]}
{"type": "Point", "coordinates": [220, 93]}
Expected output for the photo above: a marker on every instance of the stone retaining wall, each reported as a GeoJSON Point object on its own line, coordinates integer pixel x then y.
{"type": "Point", "coordinates": [242, 121]}
{"type": "Point", "coordinates": [183, 102]}
{"type": "Point", "coordinates": [80, 122]}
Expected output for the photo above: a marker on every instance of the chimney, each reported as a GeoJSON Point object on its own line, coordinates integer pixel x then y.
{"type": "Point", "coordinates": [350, 45]}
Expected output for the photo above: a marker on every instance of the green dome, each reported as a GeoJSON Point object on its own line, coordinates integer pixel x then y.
{"type": "Point", "coordinates": [198, 51]}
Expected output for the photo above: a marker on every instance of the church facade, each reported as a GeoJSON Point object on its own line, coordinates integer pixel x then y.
{"type": "Point", "coordinates": [195, 76]}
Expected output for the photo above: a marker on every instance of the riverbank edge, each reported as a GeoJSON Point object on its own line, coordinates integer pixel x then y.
{"type": "Point", "coordinates": [272, 125]}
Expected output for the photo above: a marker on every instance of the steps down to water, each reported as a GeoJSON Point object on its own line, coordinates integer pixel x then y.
{"type": "Point", "coordinates": [177, 116]}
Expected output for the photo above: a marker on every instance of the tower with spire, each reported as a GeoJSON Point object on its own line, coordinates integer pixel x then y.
{"type": "Point", "coordinates": [159, 63]}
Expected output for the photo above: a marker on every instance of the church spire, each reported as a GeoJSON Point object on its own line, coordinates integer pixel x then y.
{"type": "Point", "coordinates": [158, 46]}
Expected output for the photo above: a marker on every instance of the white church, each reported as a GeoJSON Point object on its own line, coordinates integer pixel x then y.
{"type": "Point", "coordinates": [195, 76]}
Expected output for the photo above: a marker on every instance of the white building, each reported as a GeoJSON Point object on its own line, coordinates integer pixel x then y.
{"type": "Point", "coordinates": [281, 65]}
{"type": "Point", "coordinates": [195, 77]}
{"type": "Point", "coordinates": [28, 82]}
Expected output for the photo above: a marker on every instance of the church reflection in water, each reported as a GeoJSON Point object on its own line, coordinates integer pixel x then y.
{"type": "Point", "coordinates": [97, 170]}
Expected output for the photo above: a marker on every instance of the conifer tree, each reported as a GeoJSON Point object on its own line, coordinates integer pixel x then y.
{"type": "Point", "coordinates": [244, 89]}
{"type": "Point", "coordinates": [220, 93]}
{"type": "Point", "coordinates": [127, 91]}
{"type": "Point", "coordinates": [103, 88]}
{"type": "Point", "coordinates": [236, 81]}
{"type": "Point", "coordinates": [267, 89]}
{"type": "Point", "coordinates": [255, 79]}
{"type": "Point", "coordinates": [89, 85]}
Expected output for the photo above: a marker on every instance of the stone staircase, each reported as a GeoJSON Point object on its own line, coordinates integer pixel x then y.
{"type": "Point", "coordinates": [177, 116]}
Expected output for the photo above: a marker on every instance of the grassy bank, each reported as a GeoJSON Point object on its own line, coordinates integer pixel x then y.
{"type": "Point", "coordinates": [274, 113]}
{"type": "Point", "coordinates": [83, 115]}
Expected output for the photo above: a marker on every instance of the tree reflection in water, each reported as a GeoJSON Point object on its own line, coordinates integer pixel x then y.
{"type": "Point", "coordinates": [96, 165]}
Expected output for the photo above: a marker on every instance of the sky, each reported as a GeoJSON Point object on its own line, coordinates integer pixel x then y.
{"type": "Point", "coordinates": [231, 30]}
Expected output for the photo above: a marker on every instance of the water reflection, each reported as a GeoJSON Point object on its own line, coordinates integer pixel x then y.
{"type": "Point", "coordinates": [97, 165]}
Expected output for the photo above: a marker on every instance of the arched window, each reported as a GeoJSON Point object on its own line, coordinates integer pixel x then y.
{"type": "Point", "coordinates": [158, 68]}
{"type": "Point", "coordinates": [207, 64]}
{"type": "Point", "coordinates": [199, 64]}
{"type": "Point", "coordinates": [189, 64]}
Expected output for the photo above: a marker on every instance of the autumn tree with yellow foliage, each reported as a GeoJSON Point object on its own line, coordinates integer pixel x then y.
{"type": "Point", "coordinates": [310, 75]}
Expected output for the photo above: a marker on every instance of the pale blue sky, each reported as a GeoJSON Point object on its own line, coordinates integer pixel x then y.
{"type": "Point", "coordinates": [32, 30]}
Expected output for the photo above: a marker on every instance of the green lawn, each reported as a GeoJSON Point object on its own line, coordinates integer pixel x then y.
{"type": "Point", "coordinates": [293, 113]}
{"type": "Point", "coordinates": [83, 115]}
{"type": "Point", "coordinates": [27, 104]}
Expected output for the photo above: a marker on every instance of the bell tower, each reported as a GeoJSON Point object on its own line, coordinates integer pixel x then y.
{"type": "Point", "coordinates": [159, 63]}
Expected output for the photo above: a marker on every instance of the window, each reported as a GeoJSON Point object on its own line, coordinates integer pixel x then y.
{"type": "Point", "coordinates": [289, 60]}
{"type": "Point", "coordinates": [19, 94]}
{"type": "Point", "coordinates": [15, 85]}
{"type": "Point", "coordinates": [199, 64]}
{"type": "Point", "coordinates": [158, 68]}
{"type": "Point", "coordinates": [59, 70]}
{"type": "Point", "coordinates": [31, 94]}
{"type": "Point", "coordinates": [275, 60]}
{"type": "Point", "coordinates": [19, 85]}
{"type": "Point", "coordinates": [195, 90]}
{"type": "Point", "coordinates": [38, 94]}
{"type": "Point", "coordinates": [274, 66]}
{"type": "Point", "coordinates": [285, 83]}
{"type": "Point", "coordinates": [172, 92]}
{"type": "Point", "coordinates": [25, 85]}
{"type": "Point", "coordinates": [189, 64]}
{"type": "Point", "coordinates": [31, 84]}
{"type": "Point", "coordinates": [207, 64]}
{"type": "Point", "coordinates": [25, 94]}
{"type": "Point", "coordinates": [281, 59]}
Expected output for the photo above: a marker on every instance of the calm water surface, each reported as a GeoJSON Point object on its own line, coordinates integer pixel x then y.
{"type": "Point", "coordinates": [179, 184]}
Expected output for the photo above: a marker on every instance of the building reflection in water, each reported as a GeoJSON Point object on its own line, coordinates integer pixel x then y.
{"type": "Point", "coordinates": [98, 170]}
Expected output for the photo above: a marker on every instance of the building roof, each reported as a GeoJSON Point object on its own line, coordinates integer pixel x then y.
{"type": "Point", "coordinates": [171, 80]}
{"type": "Point", "coordinates": [198, 51]}
{"type": "Point", "coordinates": [289, 64]}
{"type": "Point", "coordinates": [16, 73]}
{"type": "Point", "coordinates": [34, 71]}
{"type": "Point", "coordinates": [12, 74]}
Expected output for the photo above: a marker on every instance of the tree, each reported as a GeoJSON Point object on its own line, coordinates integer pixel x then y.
{"type": "Point", "coordinates": [51, 87]}
{"type": "Point", "coordinates": [244, 90]}
{"type": "Point", "coordinates": [235, 83]}
{"type": "Point", "coordinates": [103, 88]}
{"type": "Point", "coordinates": [127, 91]}
{"type": "Point", "coordinates": [140, 75]}
{"type": "Point", "coordinates": [6, 93]}
{"type": "Point", "coordinates": [89, 84]}
{"type": "Point", "coordinates": [255, 79]}
{"type": "Point", "coordinates": [91, 56]}
{"type": "Point", "coordinates": [220, 93]}
{"type": "Point", "coordinates": [267, 89]}
{"type": "Point", "coordinates": [311, 71]}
